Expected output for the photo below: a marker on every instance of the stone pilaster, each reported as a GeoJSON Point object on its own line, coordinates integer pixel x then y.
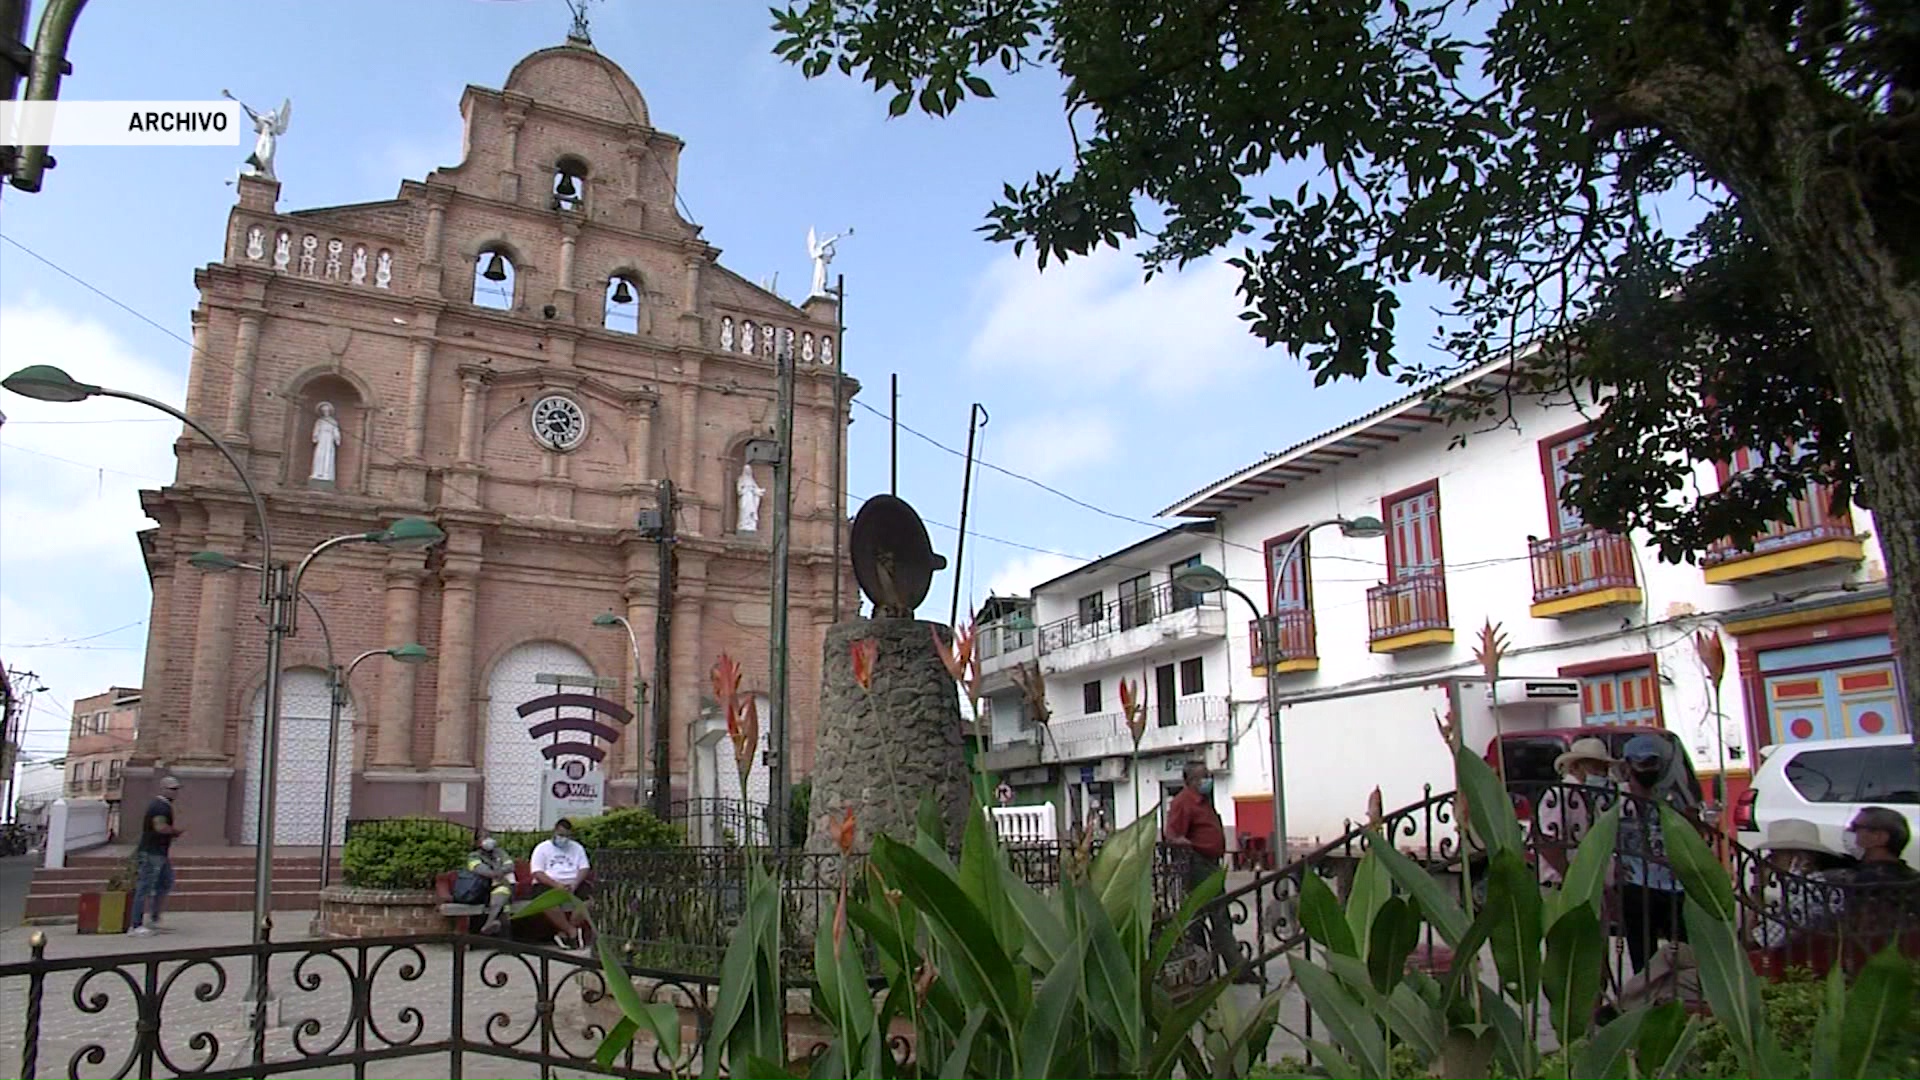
{"type": "Point", "coordinates": [419, 386]}
{"type": "Point", "coordinates": [198, 365]}
{"type": "Point", "coordinates": [213, 647]}
{"type": "Point", "coordinates": [473, 392]}
{"type": "Point", "coordinates": [453, 715]}
{"type": "Point", "coordinates": [393, 731]}
{"type": "Point", "coordinates": [154, 700]}
{"type": "Point", "coordinates": [246, 351]}
{"type": "Point", "coordinates": [689, 666]}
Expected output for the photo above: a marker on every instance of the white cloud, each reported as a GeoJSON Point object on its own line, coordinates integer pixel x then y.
{"type": "Point", "coordinates": [1048, 446]}
{"type": "Point", "coordinates": [1093, 322]}
{"type": "Point", "coordinates": [1018, 576]}
{"type": "Point", "coordinates": [70, 474]}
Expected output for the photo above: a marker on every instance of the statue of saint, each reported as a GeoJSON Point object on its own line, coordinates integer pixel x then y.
{"type": "Point", "coordinates": [267, 129]}
{"type": "Point", "coordinates": [750, 492]}
{"type": "Point", "coordinates": [326, 442]}
{"type": "Point", "coordinates": [821, 252]}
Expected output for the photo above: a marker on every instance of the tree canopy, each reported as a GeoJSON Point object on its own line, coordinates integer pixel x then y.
{"type": "Point", "coordinates": [1658, 195]}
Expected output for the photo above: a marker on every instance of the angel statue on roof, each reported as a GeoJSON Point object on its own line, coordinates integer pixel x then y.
{"type": "Point", "coordinates": [267, 129]}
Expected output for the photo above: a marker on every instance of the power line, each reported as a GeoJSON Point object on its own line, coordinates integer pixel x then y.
{"type": "Point", "coordinates": [72, 640]}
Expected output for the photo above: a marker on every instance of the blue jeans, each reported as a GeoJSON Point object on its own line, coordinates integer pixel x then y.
{"type": "Point", "coordinates": [152, 881]}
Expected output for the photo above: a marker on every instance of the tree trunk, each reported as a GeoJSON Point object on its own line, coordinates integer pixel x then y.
{"type": "Point", "coordinates": [1751, 121]}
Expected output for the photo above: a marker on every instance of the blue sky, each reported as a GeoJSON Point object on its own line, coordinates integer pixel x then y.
{"type": "Point", "coordinates": [1125, 395]}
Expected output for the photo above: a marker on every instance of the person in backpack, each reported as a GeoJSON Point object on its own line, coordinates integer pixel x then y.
{"type": "Point", "coordinates": [487, 879]}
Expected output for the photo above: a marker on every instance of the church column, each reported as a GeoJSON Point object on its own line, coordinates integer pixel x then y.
{"type": "Point", "coordinates": [436, 229]}
{"type": "Point", "coordinates": [213, 645]}
{"type": "Point", "coordinates": [453, 719]}
{"type": "Point", "coordinates": [473, 387]}
{"type": "Point", "coordinates": [198, 364]}
{"type": "Point", "coordinates": [687, 470]}
{"type": "Point", "coordinates": [639, 441]}
{"type": "Point", "coordinates": [154, 700]}
{"type": "Point", "coordinates": [689, 666]}
{"type": "Point", "coordinates": [823, 459]}
{"type": "Point", "coordinates": [639, 736]}
{"type": "Point", "coordinates": [420, 384]}
{"type": "Point", "coordinates": [569, 232]}
{"type": "Point", "coordinates": [393, 736]}
{"type": "Point", "coordinates": [246, 351]}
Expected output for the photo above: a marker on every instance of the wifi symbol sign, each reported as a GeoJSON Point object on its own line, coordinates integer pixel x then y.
{"type": "Point", "coordinates": [564, 729]}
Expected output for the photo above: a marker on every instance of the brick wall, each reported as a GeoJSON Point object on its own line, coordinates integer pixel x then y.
{"type": "Point", "coordinates": [363, 913]}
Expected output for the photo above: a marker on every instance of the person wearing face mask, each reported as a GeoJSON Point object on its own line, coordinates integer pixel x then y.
{"type": "Point", "coordinates": [1567, 811]}
{"type": "Point", "coordinates": [561, 863]}
{"type": "Point", "coordinates": [1650, 894]}
{"type": "Point", "coordinates": [1877, 837]}
{"type": "Point", "coordinates": [1795, 894]}
{"type": "Point", "coordinates": [494, 870]}
{"type": "Point", "coordinates": [1194, 826]}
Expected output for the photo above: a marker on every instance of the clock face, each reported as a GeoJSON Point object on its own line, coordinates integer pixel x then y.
{"type": "Point", "coordinates": [558, 423]}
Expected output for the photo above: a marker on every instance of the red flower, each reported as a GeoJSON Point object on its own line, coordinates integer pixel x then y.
{"type": "Point", "coordinates": [1712, 653]}
{"type": "Point", "coordinates": [726, 691]}
{"type": "Point", "coordinates": [865, 652]}
{"type": "Point", "coordinates": [1135, 710]}
{"type": "Point", "coordinates": [960, 661]}
{"type": "Point", "coordinates": [843, 831]}
{"type": "Point", "coordinates": [746, 738]}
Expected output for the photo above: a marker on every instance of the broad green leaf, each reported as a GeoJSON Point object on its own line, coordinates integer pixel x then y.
{"type": "Point", "coordinates": [1440, 910]}
{"type": "Point", "coordinates": [1048, 1029]}
{"type": "Point", "coordinates": [758, 1066]}
{"type": "Point", "coordinates": [979, 966]}
{"type": "Point", "coordinates": [1826, 1030]}
{"type": "Point", "coordinates": [1878, 1003]}
{"type": "Point", "coordinates": [1246, 1033]}
{"type": "Point", "coordinates": [1170, 936]}
{"type": "Point", "coordinates": [1411, 1020]}
{"type": "Point", "coordinates": [962, 1052]}
{"type": "Point", "coordinates": [982, 871]}
{"type": "Point", "coordinates": [1372, 886]}
{"type": "Point", "coordinates": [1586, 877]}
{"type": "Point", "coordinates": [1679, 1060]}
{"type": "Point", "coordinates": [1488, 807]}
{"type": "Point", "coordinates": [1732, 990]}
{"type": "Point", "coordinates": [1177, 1026]}
{"type": "Point", "coordinates": [746, 1018]}
{"type": "Point", "coordinates": [1321, 917]}
{"type": "Point", "coordinates": [1047, 937]}
{"type": "Point", "coordinates": [1349, 1023]}
{"type": "Point", "coordinates": [1394, 936]}
{"type": "Point", "coordinates": [1332, 1060]}
{"type": "Point", "coordinates": [661, 1019]}
{"type": "Point", "coordinates": [1706, 881]}
{"type": "Point", "coordinates": [1513, 1045]}
{"type": "Point", "coordinates": [1513, 908]}
{"type": "Point", "coordinates": [544, 903]}
{"type": "Point", "coordinates": [1121, 869]}
{"type": "Point", "coordinates": [1604, 1057]}
{"type": "Point", "coordinates": [927, 817]}
{"type": "Point", "coordinates": [616, 1042]}
{"type": "Point", "coordinates": [1112, 986]}
{"type": "Point", "coordinates": [1574, 971]}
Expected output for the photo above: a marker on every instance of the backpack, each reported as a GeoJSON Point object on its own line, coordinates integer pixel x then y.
{"type": "Point", "coordinates": [470, 888]}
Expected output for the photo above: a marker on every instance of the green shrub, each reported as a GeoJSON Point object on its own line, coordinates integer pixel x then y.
{"type": "Point", "coordinates": [799, 809]}
{"type": "Point", "coordinates": [406, 853]}
{"type": "Point", "coordinates": [1793, 1005]}
{"type": "Point", "coordinates": [627, 827]}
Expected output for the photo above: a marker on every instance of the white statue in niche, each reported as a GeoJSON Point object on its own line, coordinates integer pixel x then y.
{"type": "Point", "coordinates": [268, 130]}
{"type": "Point", "coordinates": [256, 243]}
{"type": "Point", "coordinates": [359, 273]}
{"type": "Point", "coordinates": [821, 252]}
{"type": "Point", "coordinates": [750, 492]}
{"type": "Point", "coordinates": [326, 443]}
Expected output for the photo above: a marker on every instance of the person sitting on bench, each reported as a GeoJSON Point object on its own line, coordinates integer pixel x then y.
{"type": "Point", "coordinates": [495, 868]}
{"type": "Point", "coordinates": [561, 863]}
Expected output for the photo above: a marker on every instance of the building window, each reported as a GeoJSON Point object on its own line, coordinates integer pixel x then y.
{"type": "Point", "coordinates": [1193, 677]}
{"type": "Point", "coordinates": [1090, 698]}
{"type": "Point", "coordinates": [1181, 599]}
{"type": "Point", "coordinates": [1621, 697]}
{"type": "Point", "coordinates": [1556, 456]}
{"type": "Point", "coordinates": [623, 304]}
{"type": "Point", "coordinates": [1291, 590]}
{"type": "Point", "coordinates": [1832, 690]}
{"type": "Point", "coordinates": [493, 280]}
{"type": "Point", "coordinates": [1136, 601]}
{"type": "Point", "coordinates": [1166, 700]}
{"type": "Point", "coordinates": [1413, 535]}
{"type": "Point", "coordinates": [93, 770]}
{"type": "Point", "coordinates": [1414, 596]}
{"type": "Point", "coordinates": [113, 769]}
{"type": "Point", "coordinates": [1811, 518]}
{"type": "Point", "coordinates": [1091, 609]}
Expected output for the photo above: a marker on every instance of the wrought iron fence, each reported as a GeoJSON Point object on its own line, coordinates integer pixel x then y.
{"type": "Point", "coordinates": [15, 839]}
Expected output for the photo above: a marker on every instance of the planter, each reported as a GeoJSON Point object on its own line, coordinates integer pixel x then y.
{"type": "Point", "coordinates": [352, 912]}
{"type": "Point", "coordinates": [102, 913]}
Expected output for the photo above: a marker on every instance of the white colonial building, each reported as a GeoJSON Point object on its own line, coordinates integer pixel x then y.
{"type": "Point", "coordinates": [1378, 635]}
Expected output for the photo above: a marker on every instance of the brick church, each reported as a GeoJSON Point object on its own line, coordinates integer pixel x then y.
{"type": "Point", "coordinates": [520, 347]}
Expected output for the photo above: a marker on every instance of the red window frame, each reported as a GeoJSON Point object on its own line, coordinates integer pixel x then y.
{"type": "Point", "coordinates": [1301, 575]}
{"type": "Point", "coordinates": [1581, 434]}
{"type": "Point", "coordinates": [1620, 665]}
{"type": "Point", "coordinates": [1396, 553]}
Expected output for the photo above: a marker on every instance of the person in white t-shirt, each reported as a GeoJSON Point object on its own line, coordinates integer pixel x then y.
{"type": "Point", "coordinates": [562, 863]}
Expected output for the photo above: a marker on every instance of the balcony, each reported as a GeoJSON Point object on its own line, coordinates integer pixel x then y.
{"type": "Point", "coordinates": [1814, 537]}
{"type": "Point", "coordinates": [1582, 570]}
{"type": "Point", "coordinates": [1128, 627]}
{"type": "Point", "coordinates": [1021, 750]}
{"type": "Point", "coordinates": [1408, 614]}
{"type": "Point", "coordinates": [1198, 720]}
{"type": "Point", "coordinates": [1299, 651]}
{"type": "Point", "coordinates": [1002, 648]}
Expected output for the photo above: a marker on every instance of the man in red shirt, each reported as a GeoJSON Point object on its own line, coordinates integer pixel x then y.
{"type": "Point", "coordinates": [1194, 826]}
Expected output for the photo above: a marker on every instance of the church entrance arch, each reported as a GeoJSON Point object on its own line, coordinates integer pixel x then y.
{"type": "Point", "coordinates": [300, 768]}
{"type": "Point", "coordinates": [513, 764]}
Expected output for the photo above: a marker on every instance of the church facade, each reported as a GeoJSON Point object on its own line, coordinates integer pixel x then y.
{"type": "Point", "coordinates": [521, 348]}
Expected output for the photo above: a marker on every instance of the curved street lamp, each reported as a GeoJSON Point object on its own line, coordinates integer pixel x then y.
{"type": "Point", "coordinates": [608, 621]}
{"type": "Point", "coordinates": [1201, 579]}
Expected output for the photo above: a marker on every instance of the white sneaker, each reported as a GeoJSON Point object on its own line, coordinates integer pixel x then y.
{"type": "Point", "coordinates": [140, 931]}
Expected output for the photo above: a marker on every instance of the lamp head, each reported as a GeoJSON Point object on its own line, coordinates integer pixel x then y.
{"type": "Point", "coordinates": [213, 562]}
{"type": "Point", "coordinates": [44, 382]}
{"type": "Point", "coordinates": [1363, 527]}
{"type": "Point", "coordinates": [1200, 578]}
{"type": "Point", "coordinates": [410, 653]}
{"type": "Point", "coordinates": [1019, 622]}
{"type": "Point", "coordinates": [409, 534]}
{"type": "Point", "coordinates": [606, 620]}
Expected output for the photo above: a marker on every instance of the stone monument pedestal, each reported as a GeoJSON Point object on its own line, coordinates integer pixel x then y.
{"type": "Point", "coordinates": [883, 748]}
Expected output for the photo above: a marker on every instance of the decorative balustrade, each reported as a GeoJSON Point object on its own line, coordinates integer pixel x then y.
{"type": "Point", "coordinates": [1125, 612]}
{"type": "Point", "coordinates": [761, 337]}
{"type": "Point", "coordinates": [1200, 718]}
{"type": "Point", "coordinates": [320, 255]}
{"type": "Point", "coordinates": [1579, 562]}
{"type": "Point", "coordinates": [1407, 606]}
{"type": "Point", "coordinates": [1298, 637]}
{"type": "Point", "coordinates": [1811, 521]}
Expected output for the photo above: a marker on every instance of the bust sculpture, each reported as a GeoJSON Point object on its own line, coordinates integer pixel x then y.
{"type": "Point", "coordinates": [750, 492]}
{"type": "Point", "coordinates": [326, 441]}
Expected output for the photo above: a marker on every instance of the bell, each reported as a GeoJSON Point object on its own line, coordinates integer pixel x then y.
{"type": "Point", "coordinates": [622, 294]}
{"type": "Point", "coordinates": [496, 268]}
{"type": "Point", "coordinates": [566, 190]}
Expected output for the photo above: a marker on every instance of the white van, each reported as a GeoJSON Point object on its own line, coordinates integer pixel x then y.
{"type": "Point", "coordinates": [1825, 781]}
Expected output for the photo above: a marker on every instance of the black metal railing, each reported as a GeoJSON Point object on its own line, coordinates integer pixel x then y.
{"type": "Point", "coordinates": [1125, 612]}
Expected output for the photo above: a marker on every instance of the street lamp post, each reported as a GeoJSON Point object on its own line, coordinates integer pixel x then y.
{"type": "Point", "coordinates": [607, 622]}
{"type": "Point", "coordinates": [1202, 579]}
{"type": "Point", "coordinates": [44, 382]}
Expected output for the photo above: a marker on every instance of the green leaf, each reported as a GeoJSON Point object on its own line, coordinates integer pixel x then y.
{"type": "Point", "coordinates": [1350, 1024]}
{"type": "Point", "coordinates": [1170, 936]}
{"type": "Point", "coordinates": [616, 1042]}
{"type": "Point", "coordinates": [1826, 1030]}
{"type": "Point", "coordinates": [1679, 1059]}
{"type": "Point", "coordinates": [1878, 1003]}
{"type": "Point", "coordinates": [1604, 1057]}
{"type": "Point", "coordinates": [1321, 917]}
{"type": "Point", "coordinates": [1112, 986]}
{"type": "Point", "coordinates": [1047, 937]}
{"type": "Point", "coordinates": [1331, 1059]}
{"type": "Point", "coordinates": [1048, 1030]}
{"type": "Point", "coordinates": [746, 1018]}
{"type": "Point", "coordinates": [1574, 972]}
{"type": "Point", "coordinates": [1513, 1045]}
{"type": "Point", "coordinates": [1176, 1028]}
{"type": "Point", "coordinates": [544, 903]}
{"type": "Point", "coordinates": [1513, 929]}
{"type": "Point", "coordinates": [1489, 808]}
{"type": "Point", "coordinates": [901, 102]}
{"type": "Point", "coordinates": [758, 1066]}
{"type": "Point", "coordinates": [929, 822]}
{"type": "Point", "coordinates": [1586, 877]}
{"type": "Point", "coordinates": [1440, 909]}
{"type": "Point", "coordinates": [1412, 1020]}
{"type": "Point", "coordinates": [1706, 881]}
{"type": "Point", "coordinates": [956, 1063]}
{"type": "Point", "coordinates": [1732, 989]}
{"type": "Point", "coordinates": [1395, 934]}
{"type": "Point", "coordinates": [1371, 888]}
{"type": "Point", "coordinates": [661, 1019]}
{"type": "Point", "coordinates": [983, 871]}
{"type": "Point", "coordinates": [980, 968]}
{"type": "Point", "coordinates": [1120, 870]}
{"type": "Point", "coordinates": [979, 86]}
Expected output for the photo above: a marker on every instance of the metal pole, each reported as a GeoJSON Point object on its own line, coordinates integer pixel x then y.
{"type": "Point", "coordinates": [639, 684]}
{"type": "Point", "coordinates": [336, 704]}
{"type": "Point", "coordinates": [47, 65]}
{"type": "Point", "coordinates": [893, 440]}
{"type": "Point", "coordinates": [1270, 654]}
{"type": "Point", "coordinates": [278, 598]}
{"type": "Point", "coordinates": [777, 635]}
{"type": "Point", "coordinates": [839, 441]}
{"type": "Point", "coordinates": [662, 656]}
{"type": "Point", "coordinates": [975, 417]}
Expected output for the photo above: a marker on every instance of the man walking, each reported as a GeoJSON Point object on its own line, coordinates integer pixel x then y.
{"type": "Point", "coordinates": [153, 860]}
{"type": "Point", "coordinates": [1194, 825]}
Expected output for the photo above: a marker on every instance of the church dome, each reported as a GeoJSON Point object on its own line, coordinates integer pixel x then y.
{"type": "Point", "coordinates": [579, 79]}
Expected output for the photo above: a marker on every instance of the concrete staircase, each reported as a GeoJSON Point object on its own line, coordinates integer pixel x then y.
{"type": "Point", "coordinates": [210, 879]}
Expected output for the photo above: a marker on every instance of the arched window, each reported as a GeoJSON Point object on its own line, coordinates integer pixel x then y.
{"type": "Point", "coordinates": [569, 184]}
{"type": "Point", "coordinates": [493, 280]}
{"type": "Point", "coordinates": [623, 304]}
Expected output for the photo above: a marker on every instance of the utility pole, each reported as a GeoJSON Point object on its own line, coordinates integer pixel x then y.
{"type": "Point", "coordinates": [976, 417]}
{"type": "Point", "coordinates": [16, 698]}
{"type": "Point", "coordinates": [662, 656]}
{"type": "Point", "coordinates": [42, 66]}
{"type": "Point", "coordinates": [839, 440]}
{"type": "Point", "coordinates": [893, 441]}
{"type": "Point", "coordinates": [777, 797]}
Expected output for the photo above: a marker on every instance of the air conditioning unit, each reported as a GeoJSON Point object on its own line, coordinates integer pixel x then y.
{"type": "Point", "coordinates": [1536, 691]}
